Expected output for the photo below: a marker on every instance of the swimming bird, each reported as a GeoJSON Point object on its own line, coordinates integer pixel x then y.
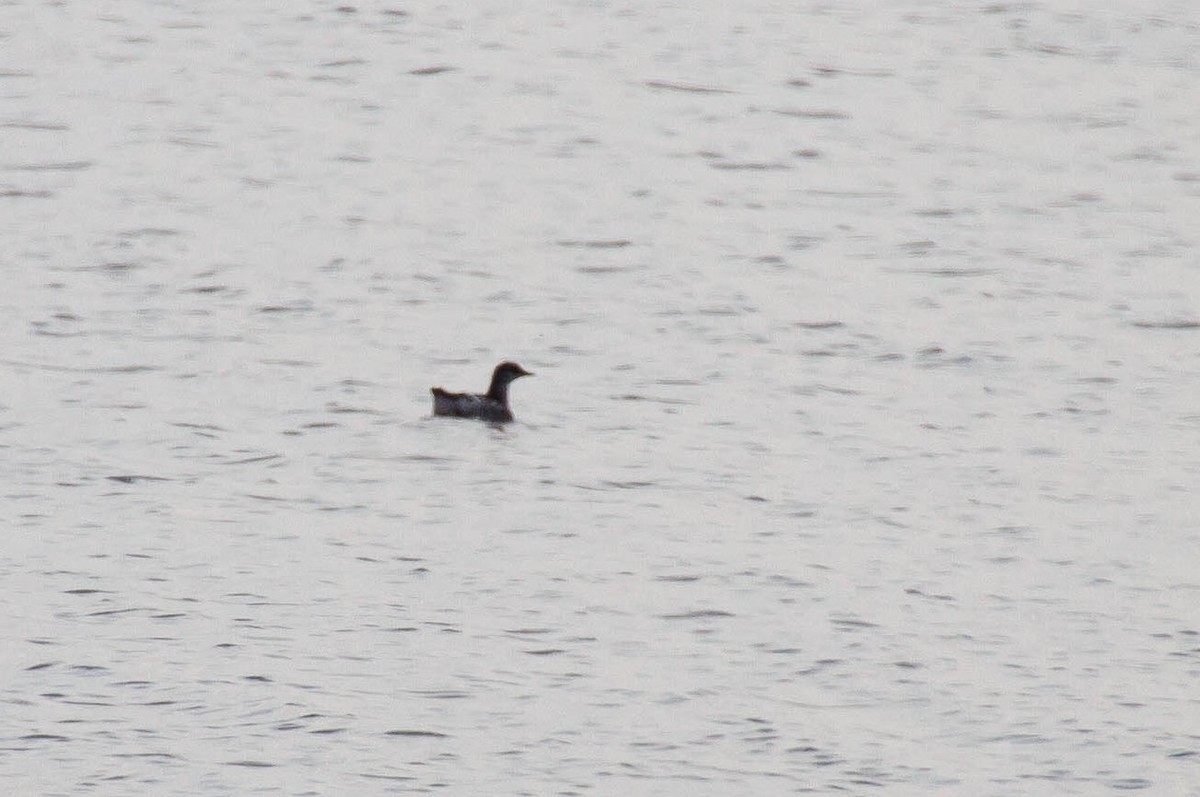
{"type": "Point", "coordinates": [489, 406]}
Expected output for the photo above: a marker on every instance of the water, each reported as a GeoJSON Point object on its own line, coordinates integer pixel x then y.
{"type": "Point", "coordinates": [861, 456]}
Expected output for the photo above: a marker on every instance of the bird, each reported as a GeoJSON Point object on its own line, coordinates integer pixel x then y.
{"type": "Point", "coordinates": [489, 406]}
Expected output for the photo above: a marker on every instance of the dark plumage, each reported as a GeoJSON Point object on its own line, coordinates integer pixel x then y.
{"type": "Point", "coordinates": [489, 406]}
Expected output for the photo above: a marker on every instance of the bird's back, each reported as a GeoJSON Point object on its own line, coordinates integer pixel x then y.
{"type": "Point", "coordinates": [468, 405]}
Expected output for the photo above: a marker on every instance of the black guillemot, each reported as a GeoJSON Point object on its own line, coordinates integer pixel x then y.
{"type": "Point", "coordinates": [490, 406]}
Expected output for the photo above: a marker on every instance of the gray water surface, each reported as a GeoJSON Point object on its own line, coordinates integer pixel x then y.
{"type": "Point", "coordinates": [861, 456]}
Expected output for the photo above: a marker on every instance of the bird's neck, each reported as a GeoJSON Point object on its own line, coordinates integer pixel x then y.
{"type": "Point", "coordinates": [498, 391]}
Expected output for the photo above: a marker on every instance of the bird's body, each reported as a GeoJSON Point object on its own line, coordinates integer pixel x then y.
{"type": "Point", "coordinates": [489, 406]}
